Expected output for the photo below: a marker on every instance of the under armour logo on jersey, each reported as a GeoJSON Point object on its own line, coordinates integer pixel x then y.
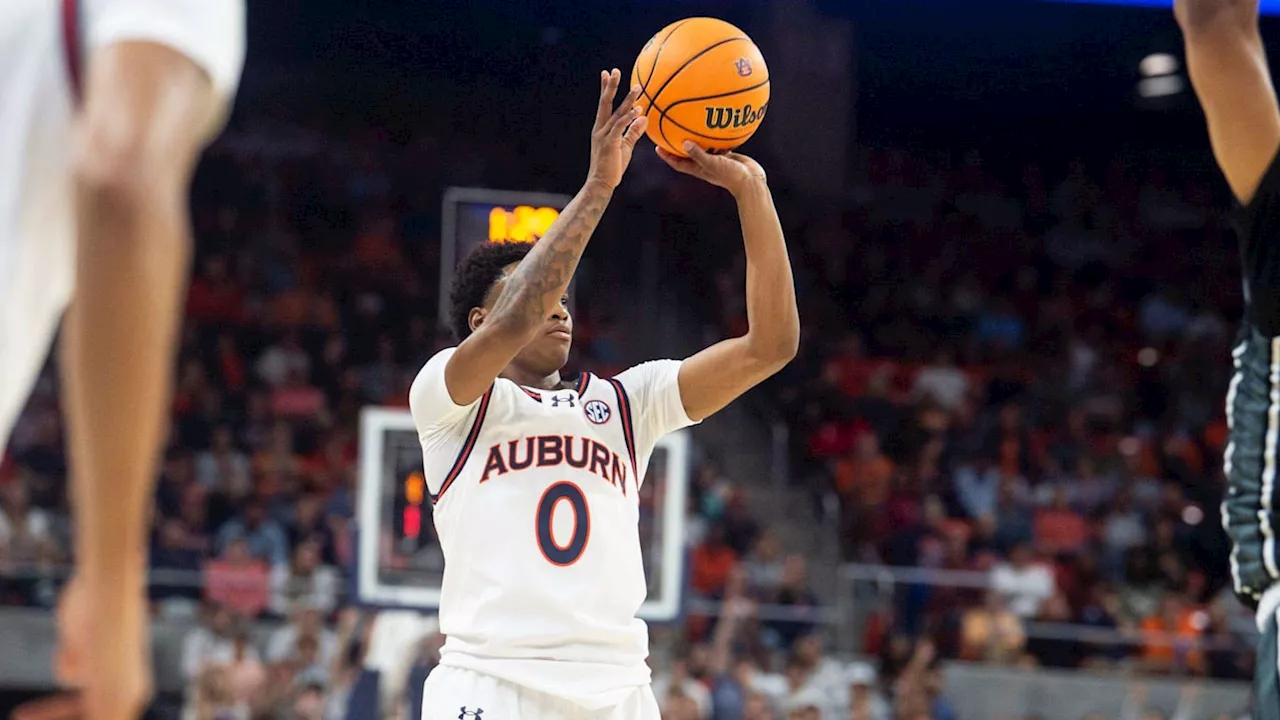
{"type": "Point", "coordinates": [470, 713]}
{"type": "Point", "coordinates": [557, 400]}
{"type": "Point", "coordinates": [597, 411]}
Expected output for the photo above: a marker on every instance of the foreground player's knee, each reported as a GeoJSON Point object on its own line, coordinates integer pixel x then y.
{"type": "Point", "coordinates": [146, 117]}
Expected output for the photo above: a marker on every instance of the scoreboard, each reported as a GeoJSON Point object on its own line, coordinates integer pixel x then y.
{"type": "Point", "coordinates": [474, 216]}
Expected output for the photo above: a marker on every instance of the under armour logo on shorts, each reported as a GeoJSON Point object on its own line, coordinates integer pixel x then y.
{"type": "Point", "coordinates": [470, 713]}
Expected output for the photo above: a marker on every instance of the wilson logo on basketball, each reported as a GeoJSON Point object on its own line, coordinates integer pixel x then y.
{"type": "Point", "coordinates": [723, 118]}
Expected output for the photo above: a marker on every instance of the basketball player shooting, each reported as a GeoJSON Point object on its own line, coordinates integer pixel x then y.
{"type": "Point", "coordinates": [105, 107]}
{"type": "Point", "coordinates": [535, 477]}
{"type": "Point", "coordinates": [1228, 67]}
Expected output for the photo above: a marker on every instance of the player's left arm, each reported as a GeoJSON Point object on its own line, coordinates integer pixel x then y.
{"type": "Point", "coordinates": [716, 376]}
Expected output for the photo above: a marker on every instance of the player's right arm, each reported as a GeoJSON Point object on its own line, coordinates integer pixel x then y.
{"type": "Point", "coordinates": [1228, 67]}
{"type": "Point", "coordinates": [535, 288]}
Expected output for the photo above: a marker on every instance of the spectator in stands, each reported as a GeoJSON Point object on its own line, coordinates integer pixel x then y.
{"type": "Point", "coordinates": [214, 296]}
{"type": "Point", "coordinates": [1059, 528]}
{"type": "Point", "coordinates": [940, 707]}
{"type": "Point", "coordinates": [1054, 652]}
{"type": "Point", "coordinates": [862, 477]}
{"type": "Point", "coordinates": [866, 702]}
{"type": "Point", "coordinates": [238, 580]}
{"type": "Point", "coordinates": [711, 563]}
{"type": "Point", "coordinates": [1013, 515]}
{"type": "Point", "coordinates": [309, 698]}
{"type": "Point", "coordinates": [28, 547]}
{"type": "Point", "coordinates": [306, 624]}
{"type": "Point", "coordinates": [757, 707]}
{"type": "Point", "coordinates": [173, 554]}
{"type": "Point", "coordinates": [804, 705]}
{"type": "Point", "coordinates": [304, 580]}
{"type": "Point", "coordinates": [794, 594]}
{"type": "Point", "coordinates": [816, 675]}
{"type": "Point", "coordinates": [977, 485]}
{"type": "Point", "coordinates": [1141, 587]}
{"type": "Point", "coordinates": [764, 566]}
{"type": "Point", "coordinates": [941, 381]}
{"type": "Point", "coordinates": [308, 523]}
{"type": "Point", "coordinates": [209, 698]}
{"type": "Point", "coordinates": [912, 698]}
{"type": "Point", "coordinates": [222, 662]}
{"type": "Point", "coordinates": [209, 643]}
{"type": "Point", "coordinates": [1171, 636]}
{"type": "Point", "coordinates": [263, 536]}
{"type": "Point", "coordinates": [678, 706]}
{"type": "Point", "coordinates": [283, 359]}
{"type": "Point", "coordinates": [677, 683]}
{"type": "Point", "coordinates": [1024, 582]}
{"type": "Point", "coordinates": [740, 528]}
{"type": "Point", "coordinates": [176, 475]}
{"type": "Point", "coordinates": [223, 468]}
{"type": "Point", "coordinates": [1102, 611]}
{"type": "Point", "coordinates": [26, 532]}
{"type": "Point", "coordinates": [298, 399]}
{"type": "Point", "coordinates": [193, 515]}
{"type": "Point", "coordinates": [991, 632]}
{"type": "Point", "coordinates": [1123, 529]}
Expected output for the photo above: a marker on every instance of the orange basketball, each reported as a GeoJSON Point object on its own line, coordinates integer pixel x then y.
{"type": "Point", "coordinates": [705, 81]}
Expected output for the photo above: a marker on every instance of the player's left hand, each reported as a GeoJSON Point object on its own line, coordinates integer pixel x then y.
{"type": "Point", "coordinates": [732, 171]}
{"type": "Point", "coordinates": [615, 132]}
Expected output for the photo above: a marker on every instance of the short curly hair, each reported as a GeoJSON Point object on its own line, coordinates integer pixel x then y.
{"type": "Point", "coordinates": [475, 276]}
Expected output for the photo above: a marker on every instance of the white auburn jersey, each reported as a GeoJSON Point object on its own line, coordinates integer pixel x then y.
{"type": "Point", "coordinates": [536, 506]}
{"type": "Point", "coordinates": [44, 46]}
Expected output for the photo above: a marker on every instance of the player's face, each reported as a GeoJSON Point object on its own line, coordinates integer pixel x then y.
{"type": "Point", "coordinates": [549, 351]}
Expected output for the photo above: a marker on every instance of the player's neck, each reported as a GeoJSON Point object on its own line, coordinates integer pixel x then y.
{"type": "Point", "coordinates": [532, 379]}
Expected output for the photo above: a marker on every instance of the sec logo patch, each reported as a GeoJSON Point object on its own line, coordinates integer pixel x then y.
{"type": "Point", "coordinates": [597, 411]}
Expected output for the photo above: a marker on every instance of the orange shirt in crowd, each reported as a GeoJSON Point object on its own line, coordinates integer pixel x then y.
{"type": "Point", "coordinates": [711, 567]}
{"type": "Point", "coordinates": [866, 481]}
{"type": "Point", "coordinates": [1187, 630]}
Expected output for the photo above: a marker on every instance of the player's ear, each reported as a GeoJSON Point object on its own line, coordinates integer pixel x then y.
{"type": "Point", "coordinates": [476, 317]}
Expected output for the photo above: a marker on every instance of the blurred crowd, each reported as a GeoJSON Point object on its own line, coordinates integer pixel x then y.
{"type": "Point", "coordinates": [1026, 386]}
{"type": "Point", "coordinates": [1014, 374]}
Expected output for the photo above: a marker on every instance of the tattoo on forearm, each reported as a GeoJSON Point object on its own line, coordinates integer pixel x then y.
{"type": "Point", "coordinates": [541, 278]}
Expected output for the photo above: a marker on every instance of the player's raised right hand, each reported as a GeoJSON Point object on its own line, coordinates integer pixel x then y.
{"type": "Point", "coordinates": [615, 133]}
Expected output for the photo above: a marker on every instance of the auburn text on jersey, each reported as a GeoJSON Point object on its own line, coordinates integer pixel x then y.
{"type": "Point", "coordinates": [544, 451]}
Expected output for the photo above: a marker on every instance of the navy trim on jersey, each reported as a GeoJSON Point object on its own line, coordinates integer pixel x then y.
{"type": "Point", "coordinates": [532, 394]}
{"type": "Point", "coordinates": [583, 380]}
{"type": "Point", "coordinates": [467, 446]}
{"type": "Point", "coordinates": [72, 46]}
{"type": "Point", "coordinates": [628, 433]}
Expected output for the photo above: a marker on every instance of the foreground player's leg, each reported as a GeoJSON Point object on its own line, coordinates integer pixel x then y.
{"type": "Point", "coordinates": [147, 111]}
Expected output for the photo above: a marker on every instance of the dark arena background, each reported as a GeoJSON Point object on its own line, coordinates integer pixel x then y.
{"type": "Point", "coordinates": [987, 488]}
